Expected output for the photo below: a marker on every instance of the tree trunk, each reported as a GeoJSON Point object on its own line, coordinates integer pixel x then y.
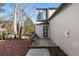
{"type": "Point", "coordinates": [20, 32]}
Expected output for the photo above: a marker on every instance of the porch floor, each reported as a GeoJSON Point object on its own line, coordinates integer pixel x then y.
{"type": "Point", "coordinates": [40, 47]}
{"type": "Point", "coordinates": [44, 47]}
{"type": "Point", "coordinates": [43, 43]}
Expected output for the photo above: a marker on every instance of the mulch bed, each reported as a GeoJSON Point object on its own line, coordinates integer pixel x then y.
{"type": "Point", "coordinates": [14, 47]}
{"type": "Point", "coordinates": [56, 51]}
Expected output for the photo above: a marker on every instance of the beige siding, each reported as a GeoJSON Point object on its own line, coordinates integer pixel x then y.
{"type": "Point", "coordinates": [39, 30]}
{"type": "Point", "coordinates": [50, 12]}
{"type": "Point", "coordinates": [66, 21]}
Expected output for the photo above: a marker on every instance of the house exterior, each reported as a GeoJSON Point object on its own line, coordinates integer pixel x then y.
{"type": "Point", "coordinates": [42, 30]}
{"type": "Point", "coordinates": [42, 25]}
{"type": "Point", "coordinates": [64, 28]}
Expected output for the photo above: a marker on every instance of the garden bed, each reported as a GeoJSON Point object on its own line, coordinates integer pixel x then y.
{"type": "Point", "coordinates": [17, 47]}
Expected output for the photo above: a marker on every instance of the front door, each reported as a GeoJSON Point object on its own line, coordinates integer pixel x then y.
{"type": "Point", "coordinates": [45, 31]}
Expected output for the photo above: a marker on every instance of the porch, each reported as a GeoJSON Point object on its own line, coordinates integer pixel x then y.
{"type": "Point", "coordinates": [44, 47]}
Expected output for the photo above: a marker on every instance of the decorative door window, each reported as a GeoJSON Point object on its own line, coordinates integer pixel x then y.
{"type": "Point", "coordinates": [45, 31]}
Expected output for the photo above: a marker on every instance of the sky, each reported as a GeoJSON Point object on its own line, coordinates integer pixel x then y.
{"type": "Point", "coordinates": [29, 8]}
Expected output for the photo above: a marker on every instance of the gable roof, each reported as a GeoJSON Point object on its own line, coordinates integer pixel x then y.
{"type": "Point", "coordinates": [62, 6]}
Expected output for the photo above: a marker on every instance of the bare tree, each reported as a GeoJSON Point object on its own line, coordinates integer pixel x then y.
{"type": "Point", "coordinates": [19, 18]}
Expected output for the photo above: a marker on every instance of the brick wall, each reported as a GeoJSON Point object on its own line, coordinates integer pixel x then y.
{"type": "Point", "coordinates": [14, 47]}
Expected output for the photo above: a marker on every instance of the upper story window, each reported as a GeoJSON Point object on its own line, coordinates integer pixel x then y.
{"type": "Point", "coordinates": [41, 14]}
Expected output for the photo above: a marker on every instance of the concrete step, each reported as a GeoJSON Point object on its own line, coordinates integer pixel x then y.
{"type": "Point", "coordinates": [43, 43]}
{"type": "Point", "coordinates": [38, 52]}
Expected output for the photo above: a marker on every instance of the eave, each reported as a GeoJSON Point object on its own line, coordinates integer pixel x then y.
{"type": "Point", "coordinates": [60, 8]}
